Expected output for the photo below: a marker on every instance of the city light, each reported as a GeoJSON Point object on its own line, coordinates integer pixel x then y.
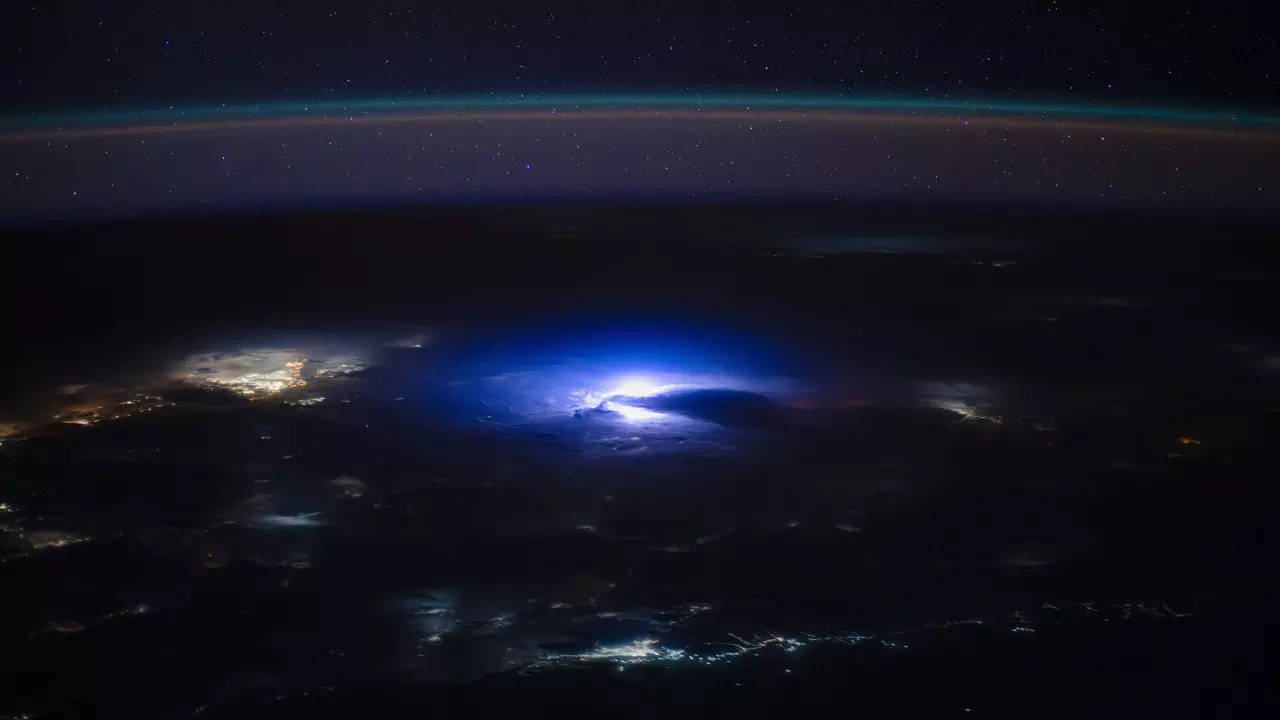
{"type": "Point", "coordinates": [263, 372]}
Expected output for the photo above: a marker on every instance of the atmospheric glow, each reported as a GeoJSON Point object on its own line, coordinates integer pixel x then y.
{"type": "Point", "coordinates": [350, 109]}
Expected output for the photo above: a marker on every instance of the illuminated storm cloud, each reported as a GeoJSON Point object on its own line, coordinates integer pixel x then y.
{"type": "Point", "coordinates": [265, 371]}
{"type": "Point", "coordinates": [622, 395]}
{"type": "Point", "coordinates": [298, 520]}
{"type": "Point", "coordinates": [414, 340]}
{"type": "Point", "coordinates": [605, 391]}
{"type": "Point", "coordinates": [967, 400]}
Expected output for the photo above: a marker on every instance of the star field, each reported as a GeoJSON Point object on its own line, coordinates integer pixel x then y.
{"type": "Point", "coordinates": [80, 54]}
{"type": "Point", "coordinates": [233, 106]}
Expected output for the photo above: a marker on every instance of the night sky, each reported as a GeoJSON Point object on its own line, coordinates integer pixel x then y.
{"type": "Point", "coordinates": [641, 154]}
{"type": "Point", "coordinates": [67, 55]}
{"type": "Point", "coordinates": [152, 109]}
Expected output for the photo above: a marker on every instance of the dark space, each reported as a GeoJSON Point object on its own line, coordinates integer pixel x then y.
{"type": "Point", "coordinates": [643, 359]}
{"type": "Point", "coordinates": [72, 55]}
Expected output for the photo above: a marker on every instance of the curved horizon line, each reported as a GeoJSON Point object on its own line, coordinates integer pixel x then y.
{"type": "Point", "coordinates": [514, 114]}
{"type": "Point", "coordinates": [624, 101]}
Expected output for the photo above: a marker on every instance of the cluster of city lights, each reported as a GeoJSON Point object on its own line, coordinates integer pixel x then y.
{"type": "Point", "coordinates": [94, 413]}
{"type": "Point", "coordinates": [258, 384]}
{"type": "Point", "coordinates": [264, 372]}
{"type": "Point", "coordinates": [75, 626]}
{"type": "Point", "coordinates": [44, 539]}
{"type": "Point", "coordinates": [649, 651]}
{"type": "Point", "coordinates": [11, 431]}
{"type": "Point", "coordinates": [646, 650]}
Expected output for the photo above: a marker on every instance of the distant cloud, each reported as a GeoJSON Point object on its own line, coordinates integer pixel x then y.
{"type": "Point", "coordinates": [419, 339]}
{"type": "Point", "coordinates": [267, 370]}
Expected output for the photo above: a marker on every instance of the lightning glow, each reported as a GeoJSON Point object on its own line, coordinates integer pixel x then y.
{"type": "Point", "coordinates": [626, 388]}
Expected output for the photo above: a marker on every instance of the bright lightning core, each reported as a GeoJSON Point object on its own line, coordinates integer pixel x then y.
{"type": "Point", "coordinates": [631, 413]}
{"type": "Point", "coordinates": [639, 386]}
{"type": "Point", "coordinates": [627, 388]}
